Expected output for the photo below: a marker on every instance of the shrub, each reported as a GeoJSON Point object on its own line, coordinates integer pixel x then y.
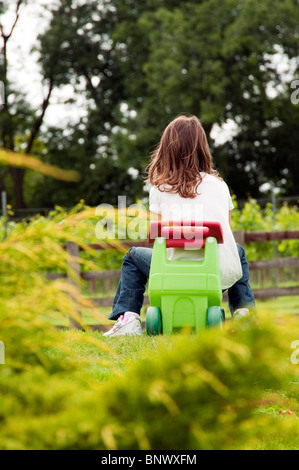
{"type": "Point", "coordinates": [253, 219]}
{"type": "Point", "coordinates": [180, 392]}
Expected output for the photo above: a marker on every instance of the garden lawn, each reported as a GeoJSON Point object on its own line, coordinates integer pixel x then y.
{"type": "Point", "coordinates": [282, 405]}
{"type": "Point", "coordinates": [278, 306]}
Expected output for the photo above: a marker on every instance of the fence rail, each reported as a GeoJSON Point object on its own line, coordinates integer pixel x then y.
{"type": "Point", "coordinates": [241, 237]}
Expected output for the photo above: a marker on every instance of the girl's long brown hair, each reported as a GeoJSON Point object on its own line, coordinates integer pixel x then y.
{"type": "Point", "coordinates": [182, 154]}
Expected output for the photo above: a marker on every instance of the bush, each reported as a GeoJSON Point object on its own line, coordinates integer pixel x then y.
{"type": "Point", "coordinates": [253, 219]}
{"type": "Point", "coordinates": [70, 390]}
{"type": "Point", "coordinates": [187, 392]}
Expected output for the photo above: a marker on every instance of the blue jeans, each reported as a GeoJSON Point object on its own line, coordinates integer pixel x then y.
{"type": "Point", "coordinates": [135, 272]}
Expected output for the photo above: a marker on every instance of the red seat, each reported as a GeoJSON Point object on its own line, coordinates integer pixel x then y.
{"type": "Point", "coordinates": [184, 233]}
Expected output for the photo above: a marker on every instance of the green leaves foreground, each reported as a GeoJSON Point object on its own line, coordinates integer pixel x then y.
{"type": "Point", "coordinates": [78, 390]}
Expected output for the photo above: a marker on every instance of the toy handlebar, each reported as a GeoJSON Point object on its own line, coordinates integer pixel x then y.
{"type": "Point", "coordinates": [180, 234]}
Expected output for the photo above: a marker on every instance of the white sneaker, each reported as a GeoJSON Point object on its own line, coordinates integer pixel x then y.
{"type": "Point", "coordinates": [245, 315]}
{"type": "Point", "coordinates": [241, 313]}
{"type": "Point", "coordinates": [127, 324]}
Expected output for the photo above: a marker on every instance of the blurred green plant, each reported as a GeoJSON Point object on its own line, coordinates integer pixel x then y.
{"type": "Point", "coordinates": [78, 390]}
{"type": "Point", "coordinates": [252, 218]}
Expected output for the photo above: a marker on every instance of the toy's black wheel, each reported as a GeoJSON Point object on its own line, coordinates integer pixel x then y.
{"type": "Point", "coordinates": [153, 321]}
{"type": "Point", "coordinates": [214, 316]}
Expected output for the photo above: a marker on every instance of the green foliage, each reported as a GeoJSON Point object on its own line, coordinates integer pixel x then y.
{"type": "Point", "coordinates": [78, 390]}
{"type": "Point", "coordinates": [133, 66]}
{"type": "Point", "coordinates": [207, 58]}
{"type": "Point", "coordinates": [252, 218]}
{"type": "Point", "coordinates": [288, 219]}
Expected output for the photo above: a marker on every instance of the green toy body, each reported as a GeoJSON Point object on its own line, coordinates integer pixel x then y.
{"type": "Point", "coordinates": [184, 294]}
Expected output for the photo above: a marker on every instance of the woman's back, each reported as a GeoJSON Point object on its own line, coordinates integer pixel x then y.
{"type": "Point", "coordinates": [212, 203]}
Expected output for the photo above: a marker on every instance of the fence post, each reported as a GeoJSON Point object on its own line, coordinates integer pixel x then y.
{"type": "Point", "coordinates": [74, 267]}
{"type": "Point", "coordinates": [239, 237]}
{"type": "Point", "coordinates": [4, 211]}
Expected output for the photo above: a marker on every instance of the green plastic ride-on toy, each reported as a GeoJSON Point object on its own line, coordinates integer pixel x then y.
{"type": "Point", "coordinates": [183, 293]}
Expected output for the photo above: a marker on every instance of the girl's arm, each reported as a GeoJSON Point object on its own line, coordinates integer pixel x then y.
{"type": "Point", "coordinates": [230, 217]}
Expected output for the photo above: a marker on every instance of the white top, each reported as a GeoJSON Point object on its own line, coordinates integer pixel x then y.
{"type": "Point", "coordinates": [212, 203]}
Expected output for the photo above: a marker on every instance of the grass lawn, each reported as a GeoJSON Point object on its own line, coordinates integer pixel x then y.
{"type": "Point", "coordinates": [129, 350]}
{"type": "Point", "coordinates": [278, 306]}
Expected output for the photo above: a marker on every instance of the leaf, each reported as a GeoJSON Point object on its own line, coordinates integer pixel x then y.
{"type": "Point", "coordinates": [27, 161]}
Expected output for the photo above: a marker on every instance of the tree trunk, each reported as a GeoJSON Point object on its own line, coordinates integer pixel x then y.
{"type": "Point", "coordinates": [17, 175]}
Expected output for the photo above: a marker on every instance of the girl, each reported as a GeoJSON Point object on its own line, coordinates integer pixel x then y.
{"type": "Point", "coordinates": [185, 187]}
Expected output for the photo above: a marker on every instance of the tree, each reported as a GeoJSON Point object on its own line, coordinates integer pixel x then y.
{"type": "Point", "coordinates": [17, 116]}
{"type": "Point", "coordinates": [139, 64]}
{"type": "Point", "coordinates": [215, 59]}
{"type": "Point", "coordinates": [78, 50]}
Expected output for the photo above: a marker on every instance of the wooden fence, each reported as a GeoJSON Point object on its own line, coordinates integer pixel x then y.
{"type": "Point", "coordinates": [241, 237]}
